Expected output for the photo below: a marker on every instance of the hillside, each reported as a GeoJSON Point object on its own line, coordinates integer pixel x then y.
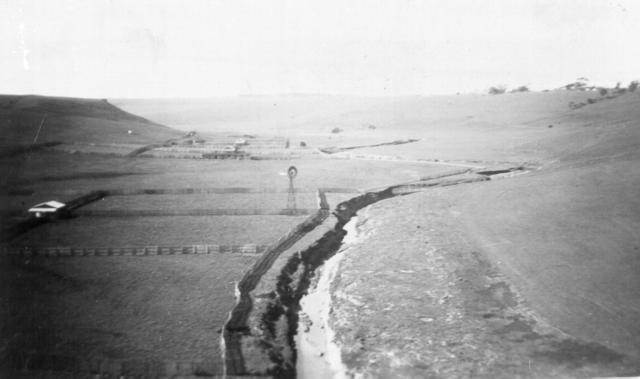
{"type": "Point", "coordinates": [540, 269]}
{"type": "Point", "coordinates": [311, 114]}
{"type": "Point", "coordinates": [515, 126]}
{"type": "Point", "coordinates": [567, 234]}
{"type": "Point", "coordinates": [72, 120]}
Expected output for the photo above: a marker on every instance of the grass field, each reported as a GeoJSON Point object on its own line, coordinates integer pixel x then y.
{"type": "Point", "coordinates": [59, 172]}
{"type": "Point", "coordinates": [150, 309]}
{"type": "Point", "coordinates": [206, 201]}
{"type": "Point", "coordinates": [162, 231]}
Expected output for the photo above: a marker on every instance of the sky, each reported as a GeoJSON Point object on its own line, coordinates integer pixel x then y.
{"type": "Point", "coordinates": [205, 48]}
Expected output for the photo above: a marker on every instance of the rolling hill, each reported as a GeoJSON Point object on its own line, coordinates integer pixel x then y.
{"type": "Point", "coordinates": [72, 120]}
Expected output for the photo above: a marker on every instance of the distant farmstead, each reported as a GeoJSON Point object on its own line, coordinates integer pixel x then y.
{"type": "Point", "coordinates": [49, 207]}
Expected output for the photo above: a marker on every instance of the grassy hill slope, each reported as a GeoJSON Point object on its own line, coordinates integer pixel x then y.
{"type": "Point", "coordinates": [568, 234]}
{"type": "Point", "coordinates": [449, 127]}
{"type": "Point", "coordinates": [72, 120]}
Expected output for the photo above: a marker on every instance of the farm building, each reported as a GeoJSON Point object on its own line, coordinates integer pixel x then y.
{"type": "Point", "coordinates": [49, 207]}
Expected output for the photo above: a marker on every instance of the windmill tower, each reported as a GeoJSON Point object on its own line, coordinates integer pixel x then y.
{"type": "Point", "coordinates": [292, 172]}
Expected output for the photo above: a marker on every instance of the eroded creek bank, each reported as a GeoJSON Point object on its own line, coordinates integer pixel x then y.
{"type": "Point", "coordinates": [434, 310]}
{"type": "Point", "coordinates": [258, 338]}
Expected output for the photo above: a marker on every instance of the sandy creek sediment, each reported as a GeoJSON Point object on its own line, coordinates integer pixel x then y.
{"type": "Point", "coordinates": [318, 356]}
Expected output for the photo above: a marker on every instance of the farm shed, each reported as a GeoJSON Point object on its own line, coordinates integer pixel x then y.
{"type": "Point", "coordinates": [49, 207]}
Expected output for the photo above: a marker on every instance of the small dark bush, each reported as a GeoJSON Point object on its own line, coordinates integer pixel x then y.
{"type": "Point", "coordinates": [573, 105]}
{"type": "Point", "coordinates": [521, 89]}
{"type": "Point", "coordinates": [336, 130]}
{"type": "Point", "coordinates": [498, 90]}
{"type": "Point", "coordinates": [579, 85]}
{"type": "Point", "coordinates": [603, 91]}
{"type": "Point", "coordinates": [633, 86]}
{"type": "Point", "coordinates": [591, 101]}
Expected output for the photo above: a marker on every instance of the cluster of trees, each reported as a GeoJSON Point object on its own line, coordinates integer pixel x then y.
{"type": "Point", "coordinates": [581, 84]}
{"type": "Point", "coordinates": [499, 90]}
{"type": "Point", "coordinates": [605, 93]}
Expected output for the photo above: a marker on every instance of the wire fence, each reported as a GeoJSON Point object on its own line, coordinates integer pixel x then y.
{"type": "Point", "coordinates": [74, 251]}
{"type": "Point", "coordinates": [192, 212]}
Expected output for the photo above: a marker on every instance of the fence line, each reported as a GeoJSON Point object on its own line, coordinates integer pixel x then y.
{"type": "Point", "coordinates": [221, 190]}
{"type": "Point", "coordinates": [68, 251]}
{"type": "Point", "coordinates": [192, 212]}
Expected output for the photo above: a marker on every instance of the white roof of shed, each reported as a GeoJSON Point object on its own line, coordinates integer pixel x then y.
{"type": "Point", "coordinates": [49, 205]}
